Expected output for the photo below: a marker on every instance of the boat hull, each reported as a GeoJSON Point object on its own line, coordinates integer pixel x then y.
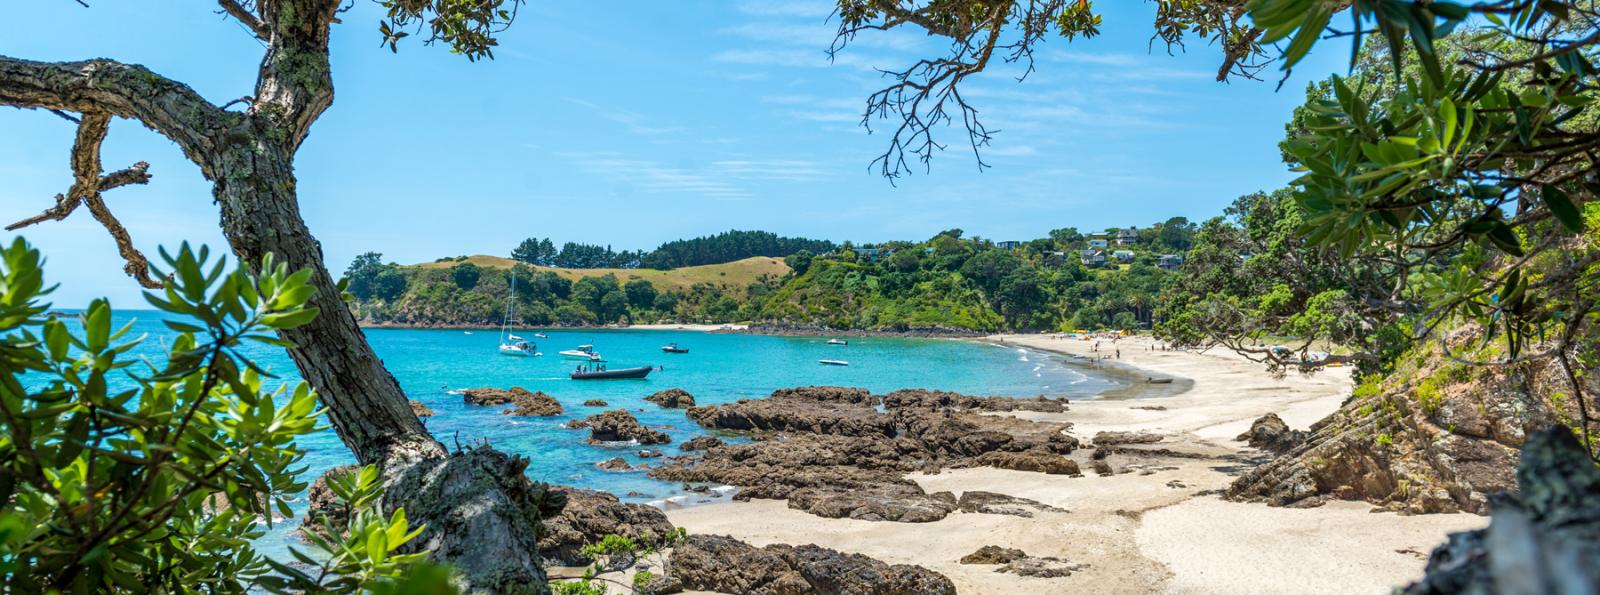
{"type": "Point", "coordinates": [622, 374]}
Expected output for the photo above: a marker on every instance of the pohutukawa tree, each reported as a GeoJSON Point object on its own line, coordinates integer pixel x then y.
{"type": "Point", "coordinates": [481, 512]}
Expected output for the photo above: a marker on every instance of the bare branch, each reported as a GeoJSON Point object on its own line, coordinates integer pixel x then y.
{"type": "Point", "coordinates": [246, 18]}
{"type": "Point", "coordinates": [86, 187]}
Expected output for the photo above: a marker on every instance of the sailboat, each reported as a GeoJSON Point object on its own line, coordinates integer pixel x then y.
{"type": "Point", "coordinates": [510, 343]}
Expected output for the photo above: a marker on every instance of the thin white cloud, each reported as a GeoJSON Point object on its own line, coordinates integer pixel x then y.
{"type": "Point", "coordinates": [1010, 150]}
{"type": "Point", "coordinates": [657, 178]}
{"type": "Point", "coordinates": [778, 169]}
{"type": "Point", "coordinates": [635, 122]}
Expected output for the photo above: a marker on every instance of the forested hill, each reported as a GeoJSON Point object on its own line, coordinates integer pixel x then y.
{"type": "Point", "coordinates": [724, 247]}
{"type": "Point", "coordinates": [1069, 280]}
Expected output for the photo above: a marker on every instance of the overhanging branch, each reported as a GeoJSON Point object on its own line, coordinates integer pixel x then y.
{"type": "Point", "coordinates": [86, 187]}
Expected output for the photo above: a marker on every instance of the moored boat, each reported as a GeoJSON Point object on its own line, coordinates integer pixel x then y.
{"type": "Point", "coordinates": [674, 348]}
{"type": "Point", "coordinates": [604, 374]}
{"type": "Point", "coordinates": [838, 342]}
{"type": "Point", "coordinates": [584, 352]}
{"type": "Point", "coordinates": [833, 362]}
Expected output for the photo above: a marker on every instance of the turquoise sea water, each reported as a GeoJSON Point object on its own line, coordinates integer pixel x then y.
{"type": "Point", "coordinates": [432, 365]}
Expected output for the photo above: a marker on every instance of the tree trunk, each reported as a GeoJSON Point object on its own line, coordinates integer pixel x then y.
{"type": "Point", "coordinates": [481, 512]}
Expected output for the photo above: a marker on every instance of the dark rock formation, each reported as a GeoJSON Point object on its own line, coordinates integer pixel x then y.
{"type": "Point", "coordinates": [941, 400]}
{"type": "Point", "coordinates": [701, 443]}
{"type": "Point", "coordinates": [1269, 433]}
{"type": "Point", "coordinates": [490, 396]}
{"type": "Point", "coordinates": [615, 464]}
{"type": "Point", "coordinates": [588, 516]}
{"type": "Point", "coordinates": [1107, 438]}
{"type": "Point", "coordinates": [672, 398]}
{"type": "Point", "coordinates": [1032, 460]}
{"type": "Point", "coordinates": [618, 426]}
{"type": "Point", "coordinates": [723, 564]}
{"type": "Point", "coordinates": [1434, 436]}
{"type": "Point", "coordinates": [830, 451]}
{"type": "Point", "coordinates": [594, 403]}
{"type": "Point", "coordinates": [535, 404]}
{"type": "Point", "coordinates": [1544, 540]}
{"type": "Point", "coordinates": [880, 502]}
{"type": "Point", "coordinates": [993, 554]}
{"type": "Point", "coordinates": [992, 503]}
{"type": "Point", "coordinates": [647, 454]}
{"type": "Point", "coordinates": [1017, 562]}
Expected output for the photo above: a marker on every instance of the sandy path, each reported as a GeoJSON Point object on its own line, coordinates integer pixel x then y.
{"type": "Point", "coordinates": [1165, 531]}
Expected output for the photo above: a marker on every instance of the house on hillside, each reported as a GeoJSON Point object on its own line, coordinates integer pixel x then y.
{"type": "Point", "coordinates": [1092, 258]}
{"type": "Point", "coordinates": [1055, 258]}
{"type": "Point", "coordinates": [1123, 256]}
{"type": "Point", "coordinates": [1170, 262]}
{"type": "Point", "coordinates": [1008, 245]}
{"type": "Point", "coordinates": [1128, 237]}
{"type": "Point", "coordinates": [872, 254]}
{"type": "Point", "coordinates": [1098, 244]}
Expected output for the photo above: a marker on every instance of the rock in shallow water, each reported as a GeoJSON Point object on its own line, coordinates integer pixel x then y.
{"type": "Point", "coordinates": [594, 403]}
{"type": "Point", "coordinates": [701, 443]}
{"type": "Point", "coordinates": [672, 398]}
{"type": "Point", "coordinates": [619, 426]}
{"type": "Point", "coordinates": [420, 410]}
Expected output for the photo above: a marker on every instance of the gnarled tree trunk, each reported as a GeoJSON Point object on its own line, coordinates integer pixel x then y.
{"type": "Point", "coordinates": [481, 511]}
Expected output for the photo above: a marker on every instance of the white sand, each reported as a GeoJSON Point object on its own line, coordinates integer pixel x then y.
{"type": "Point", "coordinates": [702, 328]}
{"type": "Point", "coordinates": [1141, 533]}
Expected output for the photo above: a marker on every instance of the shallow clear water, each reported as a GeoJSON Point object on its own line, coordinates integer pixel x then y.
{"type": "Point", "coordinates": [719, 368]}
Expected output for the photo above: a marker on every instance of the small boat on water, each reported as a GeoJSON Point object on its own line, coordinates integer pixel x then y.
{"type": "Point", "coordinates": [510, 343]}
{"type": "Point", "coordinates": [838, 342]}
{"type": "Point", "coordinates": [1158, 380]}
{"type": "Point", "coordinates": [600, 373]}
{"type": "Point", "coordinates": [674, 348]}
{"type": "Point", "coordinates": [541, 335]}
{"type": "Point", "coordinates": [585, 352]}
{"type": "Point", "coordinates": [833, 362]}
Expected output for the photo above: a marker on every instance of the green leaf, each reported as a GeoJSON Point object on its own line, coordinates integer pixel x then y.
{"type": "Point", "coordinates": [1562, 208]}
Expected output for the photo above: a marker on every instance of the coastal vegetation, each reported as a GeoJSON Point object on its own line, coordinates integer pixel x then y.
{"type": "Point", "coordinates": [950, 282]}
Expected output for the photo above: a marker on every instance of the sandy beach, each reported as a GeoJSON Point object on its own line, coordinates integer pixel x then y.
{"type": "Point", "coordinates": [1161, 528]}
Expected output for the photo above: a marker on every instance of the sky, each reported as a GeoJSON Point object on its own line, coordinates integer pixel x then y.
{"type": "Point", "coordinates": [633, 123]}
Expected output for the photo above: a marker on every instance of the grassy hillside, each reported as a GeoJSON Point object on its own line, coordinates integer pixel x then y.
{"type": "Point", "coordinates": [735, 276]}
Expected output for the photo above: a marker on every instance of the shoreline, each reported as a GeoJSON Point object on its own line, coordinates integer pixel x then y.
{"type": "Point", "coordinates": [1164, 528]}
{"type": "Point", "coordinates": [698, 328]}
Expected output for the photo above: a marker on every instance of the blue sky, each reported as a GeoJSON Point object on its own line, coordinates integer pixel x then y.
{"type": "Point", "coordinates": [632, 123]}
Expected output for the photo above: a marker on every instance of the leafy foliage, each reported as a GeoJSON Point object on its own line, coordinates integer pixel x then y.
{"type": "Point", "coordinates": [616, 553]}
{"type": "Point", "coordinates": [119, 475]}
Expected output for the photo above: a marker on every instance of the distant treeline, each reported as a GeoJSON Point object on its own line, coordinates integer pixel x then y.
{"type": "Point", "coordinates": [727, 246]}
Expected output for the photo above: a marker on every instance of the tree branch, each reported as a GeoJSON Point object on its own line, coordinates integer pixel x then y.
{"type": "Point", "coordinates": [86, 187]}
{"type": "Point", "coordinates": [246, 18]}
{"type": "Point", "coordinates": [129, 91]}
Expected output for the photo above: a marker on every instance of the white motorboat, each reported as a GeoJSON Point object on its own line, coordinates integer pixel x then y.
{"type": "Point", "coordinates": [583, 352]}
{"type": "Point", "coordinates": [833, 362]}
{"type": "Point", "coordinates": [838, 342]}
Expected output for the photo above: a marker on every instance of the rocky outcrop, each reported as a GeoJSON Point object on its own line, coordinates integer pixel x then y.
{"type": "Point", "coordinates": [589, 516]}
{"type": "Point", "coordinates": [615, 464]}
{"type": "Point", "coordinates": [726, 565]}
{"type": "Point", "coordinates": [647, 453]}
{"type": "Point", "coordinates": [618, 425]}
{"type": "Point", "coordinates": [1015, 561]}
{"type": "Point", "coordinates": [941, 400]}
{"type": "Point", "coordinates": [524, 402]}
{"type": "Point", "coordinates": [594, 403]}
{"type": "Point", "coordinates": [1269, 433]}
{"type": "Point", "coordinates": [701, 443]}
{"type": "Point", "coordinates": [420, 410]}
{"type": "Point", "coordinates": [1032, 460]}
{"type": "Point", "coordinates": [672, 398]}
{"type": "Point", "coordinates": [535, 404]}
{"type": "Point", "coordinates": [1109, 438]}
{"type": "Point", "coordinates": [1544, 540]}
{"type": "Point", "coordinates": [992, 503]}
{"type": "Point", "coordinates": [832, 452]}
{"type": "Point", "coordinates": [1435, 436]}
{"type": "Point", "coordinates": [490, 396]}
{"type": "Point", "coordinates": [879, 502]}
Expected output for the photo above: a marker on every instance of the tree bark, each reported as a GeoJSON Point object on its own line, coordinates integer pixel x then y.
{"type": "Point", "coordinates": [481, 511]}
